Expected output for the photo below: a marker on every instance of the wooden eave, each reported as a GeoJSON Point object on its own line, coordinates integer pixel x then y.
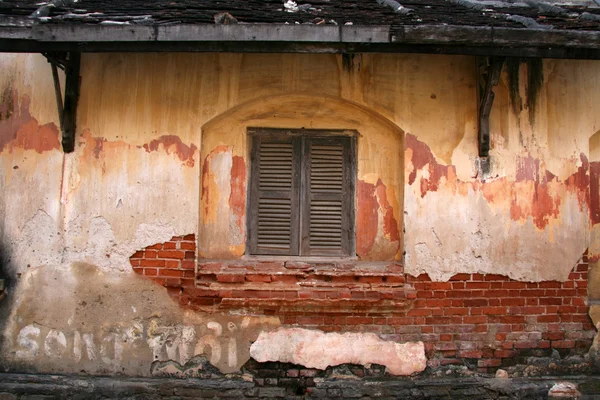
{"type": "Point", "coordinates": [25, 35]}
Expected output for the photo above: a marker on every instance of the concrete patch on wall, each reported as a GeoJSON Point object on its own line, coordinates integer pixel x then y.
{"type": "Point", "coordinates": [317, 349]}
{"type": "Point", "coordinates": [517, 226]}
{"type": "Point", "coordinates": [78, 318]}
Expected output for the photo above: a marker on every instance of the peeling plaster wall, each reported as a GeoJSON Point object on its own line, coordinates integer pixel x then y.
{"type": "Point", "coordinates": [143, 120]}
{"type": "Point", "coordinates": [161, 151]}
{"type": "Point", "coordinates": [526, 212]}
{"type": "Point", "coordinates": [31, 164]}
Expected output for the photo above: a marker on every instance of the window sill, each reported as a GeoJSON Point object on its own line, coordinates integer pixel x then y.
{"type": "Point", "coordinates": [280, 284]}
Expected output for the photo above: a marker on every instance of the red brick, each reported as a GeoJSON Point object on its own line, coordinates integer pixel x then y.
{"type": "Point", "coordinates": [461, 277]}
{"type": "Point", "coordinates": [185, 264]}
{"type": "Point", "coordinates": [312, 320]}
{"type": "Point", "coordinates": [515, 301]}
{"type": "Point", "coordinates": [553, 335]}
{"type": "Point", "coordinates": [477, 277]}
{"type": "Point", "coordinates": [395, 279]}
{"type": "Point", "coordinates": [475, 319]}
{"type": "Point", "coordinates": [169, 246]}
{"type": "Point", "coordinates": [549, 285]}
{"type": "Point", "coordinates": [190, 236]}
{"type": "Point", "coordinates": [458, 285]}
{"type": "Point", "coordinates": [475, 302]}
{"type": "Point", "coordinates": [138, 254]}
{"type": "Point", "coordinates": [171, 254]}
{"type": "Point", "coordinates": [478, 285]}
{"type": "Point", "coordinates": [445, 337]}
{"type": "Point", "coordinates": [504, 353]}
{"type": "Point", "coordinates": [359, 320]}
{"type": "Point", "coordinates": [395, 321]}
{"type": "Point", "coordinates": [424, 293]}
{"type": "Point", "coordinates": [440, 285]}
{"type": "Point", "coordinates": [135, 263]}
{"type": "Point", "coordinates": [551, 310]}
{"type": "Point", "coordinates": [150, 254]}
{"type": "Point", "coordinates": [532, 310]}
{"type": "Point", "coordinates": [171, 264]}
{"type": "Point", "coordinates": [457, 302]}
{"type": "Point", "coordinates": [437, 302]}
{"type": "Point", "coordinates": [258, 278]}
{"type": "Point", "coordinates": [550, 301]}
{"type": "Point", "coordinates": [563, 344]}
{"type": "Point", "coordinates": [469, 354]}
{"type": "Point", "coordinates": [456, 311]}
{"type": "Point", "coordinates": [157, 246]}
{"type": "Point", "coordinates": [230, 278]}
{"type": "Point", "coordinates": [514, 285]}
{"type": "Point", "coordinates": [512, 319]}
{"type": "Point", "coordinates": [489, 362]}
{"type": "Point", "coordinates": [494, 310]}
{"type": "Point", "coordinates": [369, 279]}
{"type": "Point", "coordinates": [150, 271]}
{"type": "Point", "coordinates": [152, 263]}
{"type": "Point", "coordinates": [496, 293]}
{"type": "Point", "coordinates": [532, 292]}
{"type": "Point", "coordinates": [526, 344]}
{"type": "Point", "coordinates": [419, 312]}
{"type": "Point", "coordinates": [187, 246]}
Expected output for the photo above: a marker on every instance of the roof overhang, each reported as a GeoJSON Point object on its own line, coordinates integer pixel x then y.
{"type": "Point", "coordinates": [23, 35]}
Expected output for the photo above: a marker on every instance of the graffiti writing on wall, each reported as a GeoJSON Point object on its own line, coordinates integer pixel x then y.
{"type": "Point", "coordinates": [142, 341]}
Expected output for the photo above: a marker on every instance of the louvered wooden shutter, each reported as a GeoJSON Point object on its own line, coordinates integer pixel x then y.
{"type": "Point", "coordinates": [274, 212]}
{"type": "Point", "coordinates": [327, 215]}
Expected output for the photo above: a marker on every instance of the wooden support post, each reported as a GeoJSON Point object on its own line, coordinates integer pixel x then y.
{"type": "Point", "coordinates": [57, 93]}
{"type": "Point", "coordinates": [71, 100]}
{"type": "Point", "coordinates": [488, 79]}
{"type": "Point", "coordinates": [67, 111]}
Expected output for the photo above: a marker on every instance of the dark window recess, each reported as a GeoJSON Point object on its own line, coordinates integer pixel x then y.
{"type": "Point", "coordinates": [301, 193]}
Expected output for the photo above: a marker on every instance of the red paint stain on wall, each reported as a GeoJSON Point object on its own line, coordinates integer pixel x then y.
{"type": "Point", "coordinates": [423, 157]}
{"type": "Point", "coordinates": [366, 218]}
{"type": "Point", "coordinates": [237, 198]}
{"type": "Point", "coordinates": [173, 145]}
{"type": "Point", "coordinates": [390, 225]}
{"type": "Point", "coordinates": [536, 193]}
{"type": "Point", "coordinates": [18, 129]}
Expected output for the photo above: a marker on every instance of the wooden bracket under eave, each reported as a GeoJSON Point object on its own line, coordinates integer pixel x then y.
{"type": "Point", "coordinates": [67, 111]}
{"type": "Point", "coordinates": [489, 70]}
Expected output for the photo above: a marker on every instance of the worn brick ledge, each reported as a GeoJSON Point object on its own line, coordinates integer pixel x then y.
{"type": "Point", "coordinates": [47, 387]}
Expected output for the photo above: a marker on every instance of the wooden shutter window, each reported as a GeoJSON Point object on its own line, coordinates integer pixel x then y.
{"type": "Point", "coordinates": [326, 222]}
{"type": "Point", "coordinates": [274, 222]}
{"type": "Point", "coordinates": [301, 194]}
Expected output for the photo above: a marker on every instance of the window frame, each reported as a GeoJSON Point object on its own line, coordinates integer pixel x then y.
{"type": "Point", "coordinates": [300, 172]}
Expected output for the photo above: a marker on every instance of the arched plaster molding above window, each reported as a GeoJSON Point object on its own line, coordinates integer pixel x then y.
{"type": "Point", "coordinates": [225, 171]}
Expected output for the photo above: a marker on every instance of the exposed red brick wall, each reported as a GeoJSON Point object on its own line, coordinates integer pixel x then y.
{"type": "Point", "coordinates": [488, 320]}
{"type": "Point", "coordinates": [171, 264]}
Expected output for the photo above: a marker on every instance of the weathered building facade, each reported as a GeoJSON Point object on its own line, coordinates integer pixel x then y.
{"type": "Point", "coordinates": [132, 254]}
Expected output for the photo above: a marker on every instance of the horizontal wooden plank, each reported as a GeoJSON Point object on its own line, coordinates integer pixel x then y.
{"type": "Point", "coordinates": [433, 39]}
